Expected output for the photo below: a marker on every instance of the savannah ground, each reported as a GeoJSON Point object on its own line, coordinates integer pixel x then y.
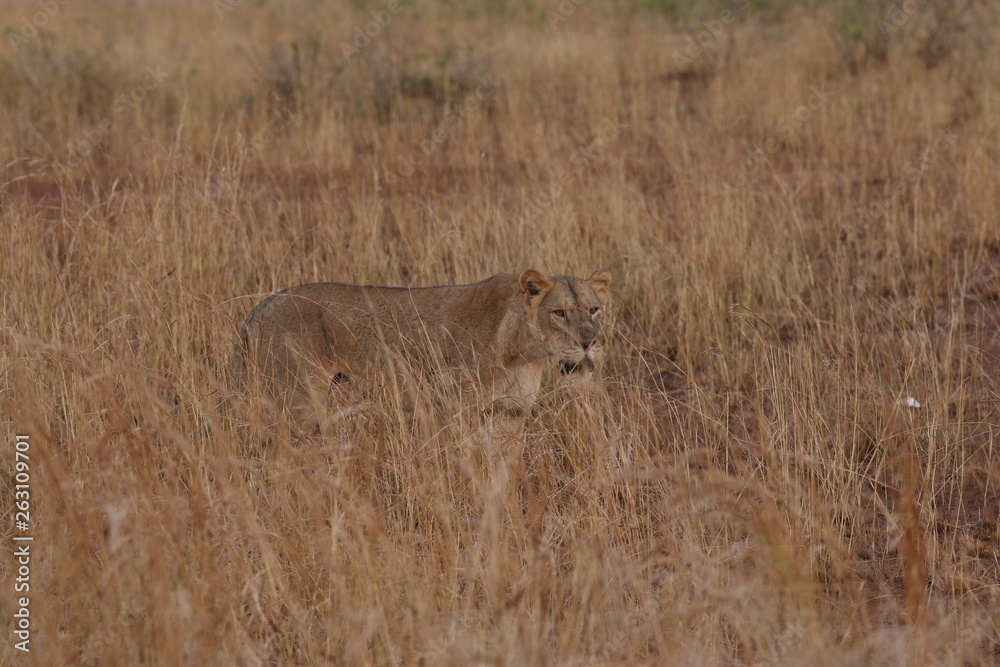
{"type": "Point", "coordinates": [800, 209]}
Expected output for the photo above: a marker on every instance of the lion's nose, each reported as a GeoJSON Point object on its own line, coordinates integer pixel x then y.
{"type": "Point", "coordinates": [587, 342]}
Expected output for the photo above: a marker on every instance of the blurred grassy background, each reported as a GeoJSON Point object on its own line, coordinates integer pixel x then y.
{"type": "Point", "coordinates": [798, 202]}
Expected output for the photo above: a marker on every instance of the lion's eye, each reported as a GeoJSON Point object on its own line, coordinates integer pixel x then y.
{"type": "Point", "coordinates": [594, 310]}
{"type": "Point", "coordinates": [559, 313]}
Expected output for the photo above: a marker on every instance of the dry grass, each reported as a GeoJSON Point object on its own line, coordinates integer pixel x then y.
{"type": "Point", "coordinates": [750, 491]}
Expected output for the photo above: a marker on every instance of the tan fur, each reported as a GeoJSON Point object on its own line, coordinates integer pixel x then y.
{"type": "Point", "coordinates": [497, 333]}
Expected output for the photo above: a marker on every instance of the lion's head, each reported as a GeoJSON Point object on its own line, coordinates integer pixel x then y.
{"type": "Point", "coordinates": [565, 315]}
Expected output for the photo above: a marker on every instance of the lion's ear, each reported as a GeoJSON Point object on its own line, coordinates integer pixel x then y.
{"type": "Point", "coordinates": [600, 281]}
{"type": "Point", "coordinates": [600, 277]}
{"type": "Point", "coordinates": [533, 283]}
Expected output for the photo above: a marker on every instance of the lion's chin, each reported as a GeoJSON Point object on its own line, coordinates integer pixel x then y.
{"type": "Point", "coordinates": [576, 371]}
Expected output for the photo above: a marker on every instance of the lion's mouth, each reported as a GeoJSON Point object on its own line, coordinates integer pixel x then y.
{"type": "Point", "coordinates": [575, 367]}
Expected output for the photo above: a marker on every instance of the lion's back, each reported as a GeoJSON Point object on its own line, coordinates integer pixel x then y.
{"type": "Point", "coordinates": [355, 323]}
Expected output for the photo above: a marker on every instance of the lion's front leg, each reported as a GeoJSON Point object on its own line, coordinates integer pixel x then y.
{"type": "Point", "coordinates": [515, 391]}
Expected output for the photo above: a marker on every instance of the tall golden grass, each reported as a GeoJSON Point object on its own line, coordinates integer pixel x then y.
{"type": "Point", "coordinates": [752, 488]}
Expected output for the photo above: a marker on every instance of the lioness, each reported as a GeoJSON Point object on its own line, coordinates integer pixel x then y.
{"type": "Point", "coordinates": [498, 333]}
